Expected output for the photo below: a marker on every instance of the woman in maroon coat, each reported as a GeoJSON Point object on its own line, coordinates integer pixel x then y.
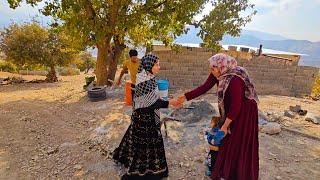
{"type": "Point", "coordinates": [238, 156]}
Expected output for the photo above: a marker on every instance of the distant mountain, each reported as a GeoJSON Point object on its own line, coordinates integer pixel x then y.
{"type": "Point", "coordinates": [190, 37]}
{"type": "Point", "coordinates": [298, 46]}
{"type": "Point", "coordinates": [263, 35]}
{"type": "Point", "coordinates": [269, 41]}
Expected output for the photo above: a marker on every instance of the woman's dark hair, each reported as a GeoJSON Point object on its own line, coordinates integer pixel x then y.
{"type": "Point", "coordinates": [133, 52]}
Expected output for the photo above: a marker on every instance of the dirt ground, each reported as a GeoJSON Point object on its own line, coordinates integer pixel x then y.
{"type": "Point", "coordinates": [53, 131]}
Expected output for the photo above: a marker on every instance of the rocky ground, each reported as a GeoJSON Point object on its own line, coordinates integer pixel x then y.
{"type": "Point", "coordinates": [53, 131]}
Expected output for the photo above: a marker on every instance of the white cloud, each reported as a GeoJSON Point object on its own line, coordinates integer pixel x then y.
{"type": "Point", "coordinates": [278, 5]}
{"type": "Point", "coordinates": [22, 13]}
{"type": "Point", "coordinates": [264, 3]}
{"type": "Point", "coordinates": [295, 19]}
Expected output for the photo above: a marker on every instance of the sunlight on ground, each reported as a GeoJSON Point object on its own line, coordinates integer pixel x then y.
{"type": "Point", "coordinates": [3, 164]}
{"type": "Point", "coordinates": [112, 118]}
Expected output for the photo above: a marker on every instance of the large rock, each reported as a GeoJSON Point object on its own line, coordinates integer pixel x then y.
{"type": "Point", "coordinates": [271, 128]}
{"type": "Point", "coordinates": [312, 118]}
{"type": "Point", "coordinates": [195, 112]}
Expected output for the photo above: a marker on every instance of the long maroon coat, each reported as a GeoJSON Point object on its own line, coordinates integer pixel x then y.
{"type": "Point", "coordinates": [238, 156]}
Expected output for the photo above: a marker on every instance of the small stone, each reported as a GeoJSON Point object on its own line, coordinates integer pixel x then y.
{"type": "Point", "coordinates": [278, 178]}
{"type": "Point", "coordinates": [271, 154]}
{"type": "Point", "coordinates": [312, 118]}
{"type": "Point", "coordinates": [52, 151]}
{"type": "Point", "coordinates": [302, 112]}
{"type": "Point", "coordinates": [262, 121]}
{"type": "Point", "coordinates": [262, 115]}
{"type": "Point", "coordinates": [181, 164]}
{"type": "Point", "coordinates": [199, 160]}
{"type": "Point", "coordinates": [295, 108]}
{"type": "Point", "coordinates": [120, 121]}
{"type": "Point", "coordinates": [289, 114]}
{"type": "Point", "coordinates": [274, 117]}
{"type": "Point", "coordinates": [271, 128]}
{"type": "Point", "coordinates": [35, 158]}
{"type": "Point", "coordinates": [78, 167]}
{"type": "Point", "coordinates": [26, 119]}
{"type": "Point", "coordinates": [187, 165]}
{"type": "Point", "coordinates": [101, 130]}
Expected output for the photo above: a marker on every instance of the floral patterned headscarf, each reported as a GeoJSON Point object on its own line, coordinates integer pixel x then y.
{"type": "Point", "coordinates": [229, 68]}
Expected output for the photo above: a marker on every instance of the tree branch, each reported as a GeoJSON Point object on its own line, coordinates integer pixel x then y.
{"type": "Point", "coordinates": [89, 10]}
{"type": "Point", "coordinates": [155, 6]}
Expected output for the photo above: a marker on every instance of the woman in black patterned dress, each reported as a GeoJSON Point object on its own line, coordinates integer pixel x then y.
{"type": "Point", "coordinates": [141, 149]}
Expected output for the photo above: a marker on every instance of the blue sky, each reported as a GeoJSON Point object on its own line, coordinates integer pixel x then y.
{"type": "Point", "coordinates": [295, 19]}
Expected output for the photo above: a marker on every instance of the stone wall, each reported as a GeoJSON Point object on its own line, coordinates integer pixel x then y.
{"type": "Point", "coordinates": [189, 69]}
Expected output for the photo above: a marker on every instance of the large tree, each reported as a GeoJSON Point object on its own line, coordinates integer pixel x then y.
{"type": "Point", "coordinates": [30, 44]}
{"type": "Point", "coordinates": [100, 23]}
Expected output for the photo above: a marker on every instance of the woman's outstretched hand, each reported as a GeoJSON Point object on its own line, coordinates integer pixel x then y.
{"type": "Point", "coordinates": [177, 102]}
{"type": "Point", "coordinates": [174, 103]}
{"type": "Point", "coordinates": [182, 99]}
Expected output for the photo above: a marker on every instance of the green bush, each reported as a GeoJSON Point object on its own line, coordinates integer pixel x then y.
{"type": "Point", "coordinates": [85, 62]}
{"type": "Point", "coordinates": [68, 71]}
{"type": "Point", "coordinates": [8, 67]}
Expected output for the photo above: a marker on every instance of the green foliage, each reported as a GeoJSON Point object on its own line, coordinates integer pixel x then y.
{"type": "Point", "coordinates": [124, 55]}
{"type": "Point", "coordinates": [30, 44]}
{"type": "Point", "coordinates": [85, 61]}
{"type": "Point", "coordinates": [8, 67]}
{"type": "Point", "coordinates": [34, 68]}
{"type": "Point", "coordinates": [145, 21]}
{"type": "Point", "coordinates": [22, 44]}
{"type": "Point", "coordinates": [224, 18]}
{"type": "Point", "coordinates": [68, 71]}
{"type": "Point", "coordinates": [99, 23]}
{"type": "Point", "coordinates": [316, 87]}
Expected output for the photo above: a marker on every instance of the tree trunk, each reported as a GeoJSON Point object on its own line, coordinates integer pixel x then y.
{"type": "Point", "coordinates": [86, 67]}
{"type": "Point", "coordinates": [114, 62]}
{"type": "Point", "coordinates": [112, 69]}
{"type": "Point", "coordinates": [101, 69]}
{"type": "Point", "coordinates": [52, 76]}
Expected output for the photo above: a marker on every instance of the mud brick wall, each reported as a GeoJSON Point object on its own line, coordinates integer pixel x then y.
{"type": "Point", "coordinates": [189, 68]}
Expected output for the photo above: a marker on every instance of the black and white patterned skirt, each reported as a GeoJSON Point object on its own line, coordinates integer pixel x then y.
{"type": "Point", "coordinates": [141, 149]}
